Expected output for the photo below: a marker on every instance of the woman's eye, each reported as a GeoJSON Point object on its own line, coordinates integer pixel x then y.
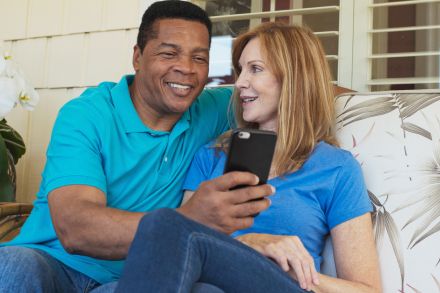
{"type": "Point", "coordinates": [256, 69]}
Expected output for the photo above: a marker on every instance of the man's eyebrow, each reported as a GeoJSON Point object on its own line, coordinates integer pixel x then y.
{"type": "Point", "coordinates": [201, 49]}
{"type": "Point", "coordinates": [179, 48]}
{"type": "Point", "coordinates": [169, 45]}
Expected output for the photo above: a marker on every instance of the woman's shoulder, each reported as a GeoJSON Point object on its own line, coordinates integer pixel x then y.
{"type": "Point", "coordinates": [332, 155]}
{"type": "Point", "coordinates": [210, 151]}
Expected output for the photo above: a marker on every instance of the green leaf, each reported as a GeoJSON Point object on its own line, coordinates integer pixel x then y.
{"type": "Point", "coordinates": [6, 187]}
{"type": "Point", "coordinates": [13, 141]}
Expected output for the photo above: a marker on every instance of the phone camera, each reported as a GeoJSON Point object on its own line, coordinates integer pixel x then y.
{"type": "Point", "coordinates": [244, 135]}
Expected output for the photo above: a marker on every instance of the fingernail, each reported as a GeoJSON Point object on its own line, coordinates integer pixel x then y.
{"type": "Point", "coordinates": [273, 189]}
{"type": "Point", "coordinates": [270, 202]}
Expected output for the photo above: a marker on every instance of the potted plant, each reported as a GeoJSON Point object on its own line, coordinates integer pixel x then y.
{"type": "Point", "coordinates": [14, 89]}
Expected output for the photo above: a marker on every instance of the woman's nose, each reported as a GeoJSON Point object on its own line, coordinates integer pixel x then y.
{"type": "Point", "coordinates": [242, 81]}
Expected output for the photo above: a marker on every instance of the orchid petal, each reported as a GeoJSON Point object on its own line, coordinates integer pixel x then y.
{"type": "Point", "coordinates": [8, 95]}
{"type": "Point", "coordinates": [28, 96]}
{"type": "Point", "coordinates": [2, 65]}
{"type": "Point", "coordinates": [11, 69]}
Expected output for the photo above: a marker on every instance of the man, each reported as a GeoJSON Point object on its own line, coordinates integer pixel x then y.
{"type": "Point", "coordinates": [121, 150]}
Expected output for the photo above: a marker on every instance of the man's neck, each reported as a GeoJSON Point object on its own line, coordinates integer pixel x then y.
{"type": "Point", "coordinates": [151, 118]}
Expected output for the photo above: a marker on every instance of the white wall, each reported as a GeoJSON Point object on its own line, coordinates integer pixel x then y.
{"type": "Point", "coordinates": [63, 46]}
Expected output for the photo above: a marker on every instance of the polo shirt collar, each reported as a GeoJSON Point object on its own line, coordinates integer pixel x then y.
{"type": "Point", "coordinates": [126, 111]}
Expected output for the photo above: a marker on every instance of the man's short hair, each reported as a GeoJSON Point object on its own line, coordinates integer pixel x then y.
{"type": "Point", "coordinates": [170, 9]}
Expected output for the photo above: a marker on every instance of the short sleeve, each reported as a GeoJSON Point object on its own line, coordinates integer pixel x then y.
{"type": "Point", "coordinates": [350, 197]}
{"type": "Point", "coordinates": [73, 155]}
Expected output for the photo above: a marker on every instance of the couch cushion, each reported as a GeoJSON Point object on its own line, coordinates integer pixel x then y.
{"type": "Point", "coordinates": [395, 138]}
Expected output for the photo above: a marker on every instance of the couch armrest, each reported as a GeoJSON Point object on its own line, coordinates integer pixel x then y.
{"type": "Point", "coordinates": [12, 217]}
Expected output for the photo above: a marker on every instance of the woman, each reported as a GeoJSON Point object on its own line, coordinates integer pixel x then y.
{"type": "Point", "coordinates": [283, 84]}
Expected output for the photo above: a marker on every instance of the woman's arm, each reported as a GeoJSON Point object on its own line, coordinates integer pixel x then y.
{"type": "Point", "coordinates": [354, 251]}
{"type": "Point", "coordinates": [288, 252]}
{"type": "Point", "coordinates": [356, 259]}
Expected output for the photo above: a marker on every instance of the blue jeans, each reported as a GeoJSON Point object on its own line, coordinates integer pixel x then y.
{"type": "Point", "coordinates": [170, 253]}
{"type": "Point", "coordinates": [27, 270]}
{"type": "Point", "coordinates": [31, 270]}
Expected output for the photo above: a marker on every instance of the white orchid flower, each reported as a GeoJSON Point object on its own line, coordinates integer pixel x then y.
{"type": "Point", "coordinates": [8, 95]}
{"type": "Point", "coordinates": [2, 65]}
{"type": "Point", "coordinates": [14, 88]}
{"type": "Point", "coordinates": [28, 96]}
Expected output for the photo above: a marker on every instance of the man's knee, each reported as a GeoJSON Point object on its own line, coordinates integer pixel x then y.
{"type": "Point", "coordinates": [16, 258]}
{"type": "Point", "coordinates": [162, 218]}
{"type": "Point", "coordinates": [21, 266]}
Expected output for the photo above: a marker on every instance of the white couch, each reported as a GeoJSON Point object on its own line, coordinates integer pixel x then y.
{"type": "Point", "coordinates": [396, 139]}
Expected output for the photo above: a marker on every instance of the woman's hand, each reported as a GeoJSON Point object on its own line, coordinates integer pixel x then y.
{"type": "Point", "coordinates": [288, 252]}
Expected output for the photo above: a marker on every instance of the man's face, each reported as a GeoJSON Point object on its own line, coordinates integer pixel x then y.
{"type": "Point", "coordinates": [173, 68]}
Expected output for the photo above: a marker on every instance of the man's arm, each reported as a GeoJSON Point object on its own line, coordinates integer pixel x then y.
{"type": "Point", "coordinates": [85, 225]}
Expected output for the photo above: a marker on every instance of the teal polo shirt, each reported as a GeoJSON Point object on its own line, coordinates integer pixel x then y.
{"type": "Point", "coordinates": [99, 140]}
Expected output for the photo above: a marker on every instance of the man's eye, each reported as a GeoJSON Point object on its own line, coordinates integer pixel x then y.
{"type": "Point", "coordinates": [200, 59]}
{"type": "Point", "coordinates": [167, 55]}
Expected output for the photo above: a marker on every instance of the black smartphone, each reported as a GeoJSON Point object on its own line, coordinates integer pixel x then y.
{"type": "Point", "coordinates": [251, 150]}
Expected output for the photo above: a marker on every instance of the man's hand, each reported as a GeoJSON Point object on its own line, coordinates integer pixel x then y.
{"type": "Point", "coordinates": [289, 253]}
{"type": "Point", "coordinates": [214, 204]}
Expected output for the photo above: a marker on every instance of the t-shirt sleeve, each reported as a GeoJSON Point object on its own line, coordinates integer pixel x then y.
{"type": "Point", "coordinates": [200, 169]}
{"type": "Point", "coordinates": [73, 155]}
{"type": "Point", "coordinates": [350, 197]}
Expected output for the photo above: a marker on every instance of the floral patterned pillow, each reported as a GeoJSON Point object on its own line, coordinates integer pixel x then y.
{"type": "Point", "coordinates": [396, 139]}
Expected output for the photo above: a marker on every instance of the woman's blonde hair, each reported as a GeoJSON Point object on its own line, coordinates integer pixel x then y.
{"type": "Point", "coordinates": [306, 108]}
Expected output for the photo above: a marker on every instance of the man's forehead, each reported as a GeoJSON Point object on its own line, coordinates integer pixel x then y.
{"type": "Point", "coordinates": [178, 32]}
{"type": "Point", "coordinates": [166, 24]}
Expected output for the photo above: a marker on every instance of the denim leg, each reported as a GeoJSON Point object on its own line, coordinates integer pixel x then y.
{"type": "Point", "coordinates": [31, 270]}
{"type": "Point", "coordinates": [197, 288]}
{"type": "Point", "coordinates": [106, 288]}
{"type": "Point", "coordinates": [170, 253]}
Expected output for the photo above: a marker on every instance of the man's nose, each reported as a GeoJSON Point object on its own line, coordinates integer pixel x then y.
{"type": "Point", "coordinates": [185, 65]}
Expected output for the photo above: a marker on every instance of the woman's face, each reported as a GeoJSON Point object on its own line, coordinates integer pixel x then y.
{"type": "Point", "coordinates": [259, 90]}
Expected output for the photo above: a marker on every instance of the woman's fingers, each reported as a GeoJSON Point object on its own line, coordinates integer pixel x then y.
{"type": "Point", "coordinates": [298, 258]}
{"type": "Point", "coordinates": [289, 253]}
{"type": "Point", "coordinates": [303, 265]}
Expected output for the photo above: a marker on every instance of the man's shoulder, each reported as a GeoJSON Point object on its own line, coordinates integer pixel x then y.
{"type": "Point", "coordinates": [211, 102]}
{"type": "Point", "coordinates": [217, 91]}
{"type": "Point", "coordinates": [92, 100]}
{"type": "Point", "coordinates": [220, 95]}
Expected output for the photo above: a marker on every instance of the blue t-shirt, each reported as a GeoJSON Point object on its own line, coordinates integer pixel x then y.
{"type": "Point", "coordinates": [326, 191]}
{"type": "Point", "coordinates": [99, 140]}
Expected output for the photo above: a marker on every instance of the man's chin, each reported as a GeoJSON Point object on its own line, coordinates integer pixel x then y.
{"type": "Point", "coordinates": [179, 109]}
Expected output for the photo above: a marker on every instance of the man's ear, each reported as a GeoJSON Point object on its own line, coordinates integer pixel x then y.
{"type": "Point", "coordinates": [137, 54]}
